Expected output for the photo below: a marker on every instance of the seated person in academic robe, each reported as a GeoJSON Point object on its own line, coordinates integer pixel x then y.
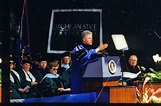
{"type": "Point", "coordinates": [16, 90]}
{"type": "Point", "coordinates": [64, 70]}
{"type": "Point", "coordinates": [28, 79]}
{"type": "Point", "coordinates": [133, 72]}
{"type": "Point", "coordinates": [42, 69]}
{"type": "Point", "coordinates": [52, 83]}
{"type": "Point", "coordinates": [35, 61]}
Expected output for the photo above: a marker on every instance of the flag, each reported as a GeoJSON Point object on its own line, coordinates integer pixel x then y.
{"type": "Point", "coordinates": [24, 38]}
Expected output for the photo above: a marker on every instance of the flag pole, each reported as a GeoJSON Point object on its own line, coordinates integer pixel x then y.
{"type": "Point", "coordinates": [22, 47]}
{"type": "Point", "coordinates": [28, 34]}
{"type": "Point", "coordinates": [22, 24]}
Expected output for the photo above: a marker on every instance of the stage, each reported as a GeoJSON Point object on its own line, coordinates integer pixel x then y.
{"type": "Point", "coordinates": [68, 98]}
{"type": "Point", "coordinates": [113, 94]}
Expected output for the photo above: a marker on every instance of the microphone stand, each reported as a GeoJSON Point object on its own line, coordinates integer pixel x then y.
{"type": "Point", "coordinates": [124, 61]}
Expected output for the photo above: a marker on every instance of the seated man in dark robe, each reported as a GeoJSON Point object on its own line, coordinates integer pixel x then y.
{"type": "Point", "coordinates": [42, 69]}
{"type": "Point", "coordinates": [52, 83]}
{"type": "Point", "coordinates": [133, 72]}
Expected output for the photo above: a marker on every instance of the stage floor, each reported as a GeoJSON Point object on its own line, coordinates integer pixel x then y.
{"type": "Point", "coordinates": [68, 98]}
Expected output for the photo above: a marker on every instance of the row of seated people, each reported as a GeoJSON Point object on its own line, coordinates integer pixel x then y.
{"type": "Point", "coordinates": [48, 79]}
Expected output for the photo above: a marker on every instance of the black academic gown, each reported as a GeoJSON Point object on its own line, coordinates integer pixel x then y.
{"type": "Point", "coordinates": [34, 90]}
{"type": "Point", "coordinates": [65, 74]}
{"type": "Point", "coordinates": [14, 86]}
{"type": "Point", "coordinates": [134, 70]}
{"type": "Point", "coordinates": [39, 73]}
{"type": "Point", "coordinates": [50, 85]}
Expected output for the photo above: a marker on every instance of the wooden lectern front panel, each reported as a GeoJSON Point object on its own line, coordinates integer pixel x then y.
{"type": "Point", "coordinates": [123, 94]}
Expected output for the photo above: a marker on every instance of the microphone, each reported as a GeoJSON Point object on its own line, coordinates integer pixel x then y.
{"type": "Point", "coordinates": [105, 53]}
{"type": "Point", "coordinates": [102, 53]}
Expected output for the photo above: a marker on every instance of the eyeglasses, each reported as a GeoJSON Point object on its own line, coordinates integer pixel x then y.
{"type": "Point", "coordinates": [54, 69]}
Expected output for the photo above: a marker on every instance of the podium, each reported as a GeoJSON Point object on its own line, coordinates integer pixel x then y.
{"type": "Point", "coordinates": [102, 76]}
{"type": "Point", "coordinates": [104, 72]}
{"type": "Point", "coordinates": [117, 94]}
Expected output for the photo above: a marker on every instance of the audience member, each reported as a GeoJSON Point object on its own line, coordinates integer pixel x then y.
{"type": "Point", "coordinates": [28, 79]}
{"type": "Point", "coordinates": [64, 70]}
{"type": "Point", "coordinates": [132, 72]}
{"type": "Point", "coordinates": [35, 61]}
{"type": "Point", "coordinates": [42, 69]}
{"type": "Point", "coordinates": [17, 92]}
{"type": "Point", "coordinates": [52, 83]}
